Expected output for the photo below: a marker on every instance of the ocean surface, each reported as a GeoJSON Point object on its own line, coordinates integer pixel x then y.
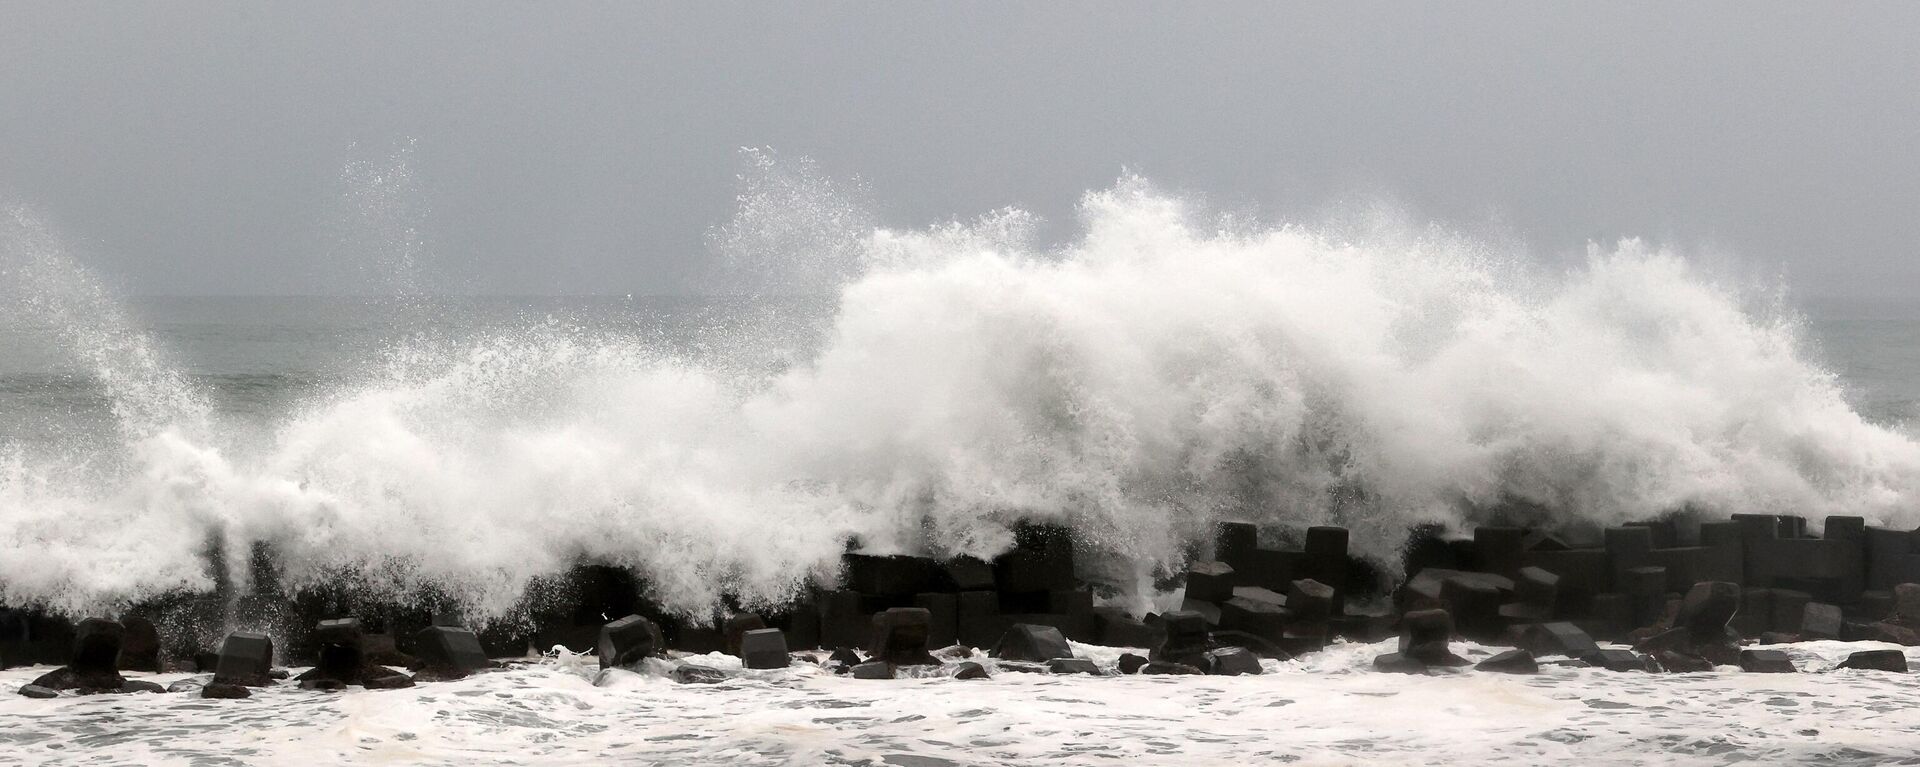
{"type": "Point", "coordinates": [1155, 376]}
{"type": "Point", "coordinates": [1327, 708]}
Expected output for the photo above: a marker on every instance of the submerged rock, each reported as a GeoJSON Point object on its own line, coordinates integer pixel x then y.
{"type": "Point", "coordinates": [1510, 662]}
{"type": "Point", "coordinates": [691, 674]}
{"type": "Point", "coordinates": [1877, 660]}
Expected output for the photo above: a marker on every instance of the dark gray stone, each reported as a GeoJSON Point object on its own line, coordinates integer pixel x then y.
{"type": "Point", "coordinates": [874, 670]}
{"type": "Point", "coordinates": [1617, 660]}
{"type": "Point", "coordinates": [226, 691]}
{"type": "Point", "coordinates": [1032, 643]}
{"type": "Point", "coordinates": [1398, 663]}
{"type": "Point", "coordinates": [969, 670]}
{"type": "Point", "coordinates": [1510, 662]}
{"type": "Point", "coordinates": [1163, 667]}
{"type": "Point", "coordinates": [1131, 663]}
{"type": "Point", "coordinates": [1072, 666]}
{"type": "Point", "coordinates": [1766, 662]}
{"type": "Point", "coordinates": [764, 649]}
{"type": "Point", "coordinates": [628, 641]}
{"type": "Point", "coordinates": [1877, 660]}
{"type": "Point", "coordinates": [1232, 661]}
{"type": "Point", "coordinates": [246, 658]}
{"type": "Point", "coordinates": [688, 673]}
{"type": "Point", "coordinates": [900, 637]}
{"type": "Point", "coordinates": [36, 691]}
{"type": "Point", "coordinates": [1210, 582]}
{"type": "Point", "coordinates": [450, 651]}
{"type": "Point", "coordinates": [1821, 621]}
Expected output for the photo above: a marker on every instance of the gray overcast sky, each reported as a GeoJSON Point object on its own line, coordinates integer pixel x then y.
{"type": "Point", "coordinates": [587, 148]}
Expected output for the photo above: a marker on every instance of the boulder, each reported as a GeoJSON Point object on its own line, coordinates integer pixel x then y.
{"type": "Point", "coordinates": [845, 658]}
{"type": "Point", "coordinates": [1186, 639]}
{"type": "Point", "coordinates": [1072, 666]}
{"type": "Point", "coordinates": [1232, 661]}
{"type": "Point", "coordinates": [1164, 667]}
{"type": "Point", "coordinates": [1510, 662]}
{"type": "Point", "coordinates": [763, 649]}
{"type": "Point", "coordinates": [1766, 662]}
{"type": "Point", "coordinates": [1398, 663]}
{"type": "Point", "coordinates": [140, 647]}
{"type": "Point", "coordinates": [737, 626]}
{"type": "Point", "coordinates": [873, 670]}
{"type": "Point", "coordinates": [900, 637]}
{"type": "Point", "coordinates": [449, 652]}
{"type": "Point", "coordinates": [1210, 582]}
{"type": "Point", "coordinates": [226, 691]}
{"type": "Point", "coordinates": [1876, 660]}
{"type": "Point", "coordinates": [688, 673]}
{"type": "Point", "coordinates": [1560, 638]}
{"type": "Point", "coordinates": [1617, 660]}
{"type": "Point", "coordinates": [968, 670]}
{"type": "Point", "coordinates": [93, 665]}
{"type": "Point", "coordinates": [1821, 621]}
{"type": "Point", "coordinates": [1682, 663]}
{"type": "Point", "coordinates": [1906, 604]}
{"type": "Point", "coordinates": [1032, 643]}
{"type": "Point", "coordinates": [1131, 663]}
{"type": "Point", "coordinates": [626, 642]}
{"type": "Point", "coordinates": [36, 691]}
{"type": "Point", "coordinates": [246, 659]}
{"type": "Point", "coordinates": [1425, 636]}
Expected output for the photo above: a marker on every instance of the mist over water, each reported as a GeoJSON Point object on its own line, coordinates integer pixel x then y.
{"type": "Point", "coordinates": [1164, 370]}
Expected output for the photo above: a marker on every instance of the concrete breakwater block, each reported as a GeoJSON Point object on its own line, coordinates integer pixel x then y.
{"type": "Point", "coordinates": [900, 637]}
{"type": "Point", "coordinates": [343, 660]}
{"type": "Point", "coordinates": [449, 652]}
{"type": "Point", "coordinates": [1876, 660]}
{"type": "Point", "coordinates": [764, 649]}
{"type": "Point", "coordinates": [1766, 662]}
{"type": "Point", "coordinates": [93, 666]}
{"type": "Point", "coordinates": [628, 641]}
{"type": "Point", "coordinates": [1034, 644]}
{"type": "Point", "coordinates": [246, 659]}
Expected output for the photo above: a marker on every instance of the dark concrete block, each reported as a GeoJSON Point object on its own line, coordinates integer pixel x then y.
{"type": "Point", "coordinates": [1206, 610]}
{"type": "Point", "coordinates": [628, 641]}
{"type": "Point", "coordinates": [1510, 662]}
{"type": "Point", "coordinates": [1707, 609]}
{"type": "Point", "coordinates": [1398, 663]}
{"type": "Point", "coordinates": [246, 658]}
{"type": "Point", "coordinates": [1756, 612]}
{"type": "Point", "coordinates": [1116, 628]}
{"type": "Point", "coordinates": [140, 646]}
{"type": "Point", "coordinates": [1475, 607]}
{"type": "Point", "coordinates": [1131, 663]}
{"type": "Point", "coordinates": [943, 611]}
{"type": "Point", "coordinates": [1268, 568]}
{"type": "Point", "coordinates": [968, 670]}
{"type": "Point", "coordinates": [1425, 636]}
{"type": "Point", "coordinates": [1041, 561]}
{"type": "Point", "coordinates": [1766, 662]}
{"type": "Point", "coordinates": [1561, 638]}
{"type": "Point", "coordinates": [1500, 550]}
{"type": "Point", "coordinates": [873, 670]}
{"type": "Point", "coordinates": [1072, 666]}
{"type": "Point", "coordinates": [900, 637]}
{"type": "Point", "coordinates": [1232, 661]}
{"type": "Point", "coordinates": [1675, 662]}
{"type": "Point", "coordinates": [1186, 639]}
{"type": "Point", "coordinates": [1260, 594]}
{"type": "Point", "coordinates": [890, 574]}
{"type": "Point", "coordinates": [1788, 608]}
{"type": "Point", "coordinates": [764, 649]}
{"type": "Point", "coordinates": [1906, 603]}
{"type": "Point", "coordinates": [1820, 621]}
{"type": "Point", "coordinates": [1031, 643]}
{"type": "Point", "coordinates": [979, 621]}
{"type": "Point", "coordinates": [736, 627]}
{"type": "Point", "coordinates": [1236, 543]}
{"type": "Point", "coordinates": [967, 574]}
{"type": "Point", "coordinates": [1877, 660]}
{"type": "Point", "coordinates": [1583, 573]}
{"type": "Point", "coordinates": [844, 620]}
{"type": "Point", "coordinates": [450, 651]}
{"type": "Point", "coordinates": [1617, 660]}
{"type": "Point", "coordinates": [1210, 582]}
{"type": "Point", "coordinates": [1257, 618]}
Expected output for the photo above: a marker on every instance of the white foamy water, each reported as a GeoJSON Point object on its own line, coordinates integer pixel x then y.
{"type": "Point", "coordinates": [1163, 370]}
{"type": "Point", "coordinates": [1324, 708]}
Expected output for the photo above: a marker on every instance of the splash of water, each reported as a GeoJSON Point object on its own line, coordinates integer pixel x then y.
{"type": "Point", "coordinates": [1157, 374]}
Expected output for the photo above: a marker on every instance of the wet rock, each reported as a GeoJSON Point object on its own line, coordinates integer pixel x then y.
{"type": "Point", "coordinates": [190, 684]}
{"type": "Point", "coordinates": [1232, 661]}
{"type": "Point", "coordinates": [1032, 643]}
{"type": "Point", "coordinates": [1186, 641]}
{"type": "Point", "coordinates": [389, 681]}
{"type": "Point", "coordinates": [449, 652]}
{"type": "Point", "coordinates": [1617, 660]}
{"type": "Point", "coordinates": [246, 658]}
{"type": "Point", "coordinates": [1876, 660]}
{"type": "Point", "coordinates": [1906, 604]}
{"type": "Point", "coordinates": [688, 673]}
{"type": "Point", "coordinates": [1561, 638]}
{"type": "Point", "coordinates": [142, 685]}
{"type": "Point", "coordinates": [1131, 663]}
{"type": "Point", "coordinates": [1257, 645]}
{"type": "Point", "coordinates": [1425, 636]}
{"type": "Point", "coordinates": [873, 671]}
{"type": "Point", "coordinates": [1682, 663]}
{"type": "Point", "coordinates": [93, 666]}
{"type": "Point", "coordinates": [1821, 621]}
{"type": "Point", "coordinates": [736, 629]}
{"type": "Point", "coordinates": [1707, 609]}
{"type": "Point", "coordinates": [1886, 631]}
{"type": "Point", "coordinates": [1398, 663]}
{"type": "Point", "coordinates": [763, 649]}
{"type": "Point", "coordinates": [1766, 662]}
{"type": "Point", "coordinates": [626, 642]}
{"type": "Point", "coordinates": [1072, 666]}
{"type": "Point", "coordinates": [225, 690]}
{"type": "Point", "coordinates": [1510, 662]}
{"type": "Point", "coordinates": [140, 646]}
{"type": "Point", "coordinates": [36, 691]}
{"type": "Point", "coordinates": [900, 637]}
{"type": "Point", "coordinates": [844, 659]}
{"type": "Point", "coordinates": [968, 670]}
{"type": "Point", "coordinates": [323, 685]}
{"type": "Point", "coordinates": [1118, 629]}
{"type": "Point", "coordinates": [1210, 582]}
{"type": "Point", "coordinates": [1164, 667]}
